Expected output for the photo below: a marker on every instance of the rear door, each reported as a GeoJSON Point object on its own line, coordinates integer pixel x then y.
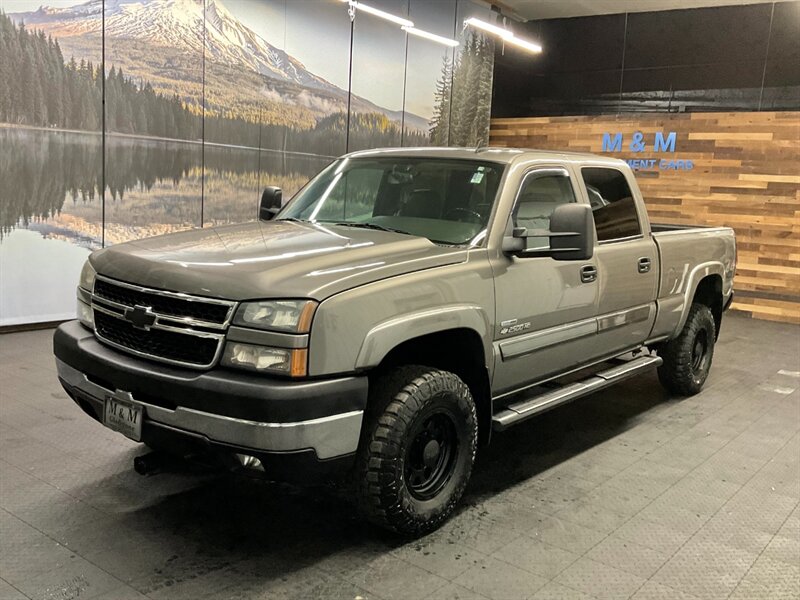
{"type": "Point", "coordinates": [626, 258]}
{"type": "Point", "coordinates": [545, 309]}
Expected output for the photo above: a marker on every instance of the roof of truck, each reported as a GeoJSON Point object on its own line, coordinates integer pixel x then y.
{"type": "Point", "coordinates": [490, 153]}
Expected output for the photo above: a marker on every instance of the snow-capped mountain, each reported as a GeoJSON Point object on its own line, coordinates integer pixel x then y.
{"type": "Point", "coordinates": [178, 24]}
{"type": "Point", "coordinates": [171, 29]}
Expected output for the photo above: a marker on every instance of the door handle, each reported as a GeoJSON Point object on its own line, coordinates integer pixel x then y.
{"type": "Point", "coordinates": [644, 265]}
{"type": "Point", "coordinates": [588, 274]}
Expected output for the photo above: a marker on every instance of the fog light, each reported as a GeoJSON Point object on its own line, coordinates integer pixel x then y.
{"type": "Point", "coordinates": [265, 359]}
{"type": "Point", "coordinates": [85, 314]}
{"type": "Point", "coordinates": [259, 358]}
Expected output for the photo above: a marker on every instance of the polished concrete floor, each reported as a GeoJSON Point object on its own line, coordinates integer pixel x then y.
{"type": "Point", "coordinates": [627, 493]}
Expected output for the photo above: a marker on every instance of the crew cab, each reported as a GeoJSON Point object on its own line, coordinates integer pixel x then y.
{"type": "Point", "coordinates": [402, 307]}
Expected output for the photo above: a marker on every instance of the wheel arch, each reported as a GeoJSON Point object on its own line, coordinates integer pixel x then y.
{"type": "Point", "coordinates": [709, 293]}
{"type": "Point", "coordinates": [457, 350]}
{"type": "Point", "coordinates": [704, 285]}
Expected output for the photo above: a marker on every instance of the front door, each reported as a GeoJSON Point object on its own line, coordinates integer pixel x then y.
{"type": "Point", "coordinates": [546, 309]}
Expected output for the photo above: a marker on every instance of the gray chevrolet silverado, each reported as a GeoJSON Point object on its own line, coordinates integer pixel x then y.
{"type": "Point", "coordinates": [379, 327]}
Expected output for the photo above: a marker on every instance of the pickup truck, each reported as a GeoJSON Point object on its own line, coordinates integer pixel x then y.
{"type": "Point", "coordinates": [402, 307]}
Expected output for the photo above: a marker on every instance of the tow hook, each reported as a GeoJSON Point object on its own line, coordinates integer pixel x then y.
{"type": "Point", "coordinates": [150, 464]}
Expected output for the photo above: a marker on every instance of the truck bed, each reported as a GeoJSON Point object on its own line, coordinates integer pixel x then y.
{"type": "Point", "coordinates": [687, 254]}
{"type": "Point", "coordinates": [682, 249]}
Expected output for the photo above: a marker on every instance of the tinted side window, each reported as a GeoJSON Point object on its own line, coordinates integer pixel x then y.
{"type": "Point", "coordinates": [612, 203]}
{"type": "Point", "coordinates": [539, 197]}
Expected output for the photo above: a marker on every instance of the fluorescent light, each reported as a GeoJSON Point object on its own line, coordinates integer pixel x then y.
{"type": "Point", "coordinates": [431, 36]}
{"type": "Point", "coordinates": [506, 34]}
{"type": "Point", "coordinates": [405, 24]}
{"type": "Point", "coordinates": [381, 14]}
{"type": "Point", "coordinates": [478, 24]}
{"type": "Point", "coordinates": [530, 46]}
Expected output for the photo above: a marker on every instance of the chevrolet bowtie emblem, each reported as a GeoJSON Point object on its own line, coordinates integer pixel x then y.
{"type": "Point", "coordinates": [141, 317]}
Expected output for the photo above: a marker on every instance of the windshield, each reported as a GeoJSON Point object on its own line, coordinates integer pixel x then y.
{"type": "Point", "coordinates": [447, 201]}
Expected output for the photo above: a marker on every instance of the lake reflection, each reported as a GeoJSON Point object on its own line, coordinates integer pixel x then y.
{"type": "Point", "coordinates": [51, 184]}
{"type": "Point", "coordinates": [53, 180]}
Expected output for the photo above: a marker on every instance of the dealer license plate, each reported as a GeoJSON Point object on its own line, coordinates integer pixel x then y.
{"type": "Point", "coordinates": [124, 417]}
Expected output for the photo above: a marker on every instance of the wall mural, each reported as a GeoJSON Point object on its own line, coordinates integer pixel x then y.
{"type": "Point", "coordinates": [206, 102]}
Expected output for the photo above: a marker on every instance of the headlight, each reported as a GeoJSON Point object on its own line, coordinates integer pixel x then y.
{"type": "Point", "coordinates": [293, 316]}
{"type": "Point", "coordinates": [85, 315]}
{"type": "Point", "coordinates": [87, 276]}
{"type": "Point", "coordinates": [284, 361]}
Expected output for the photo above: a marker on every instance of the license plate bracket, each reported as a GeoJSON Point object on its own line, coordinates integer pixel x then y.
{"type": "Point", "coordinates": [121, 414]}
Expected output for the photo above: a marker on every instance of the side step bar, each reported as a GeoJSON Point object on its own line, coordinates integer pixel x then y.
{"type": "Point", "coordinates": [524, 409]}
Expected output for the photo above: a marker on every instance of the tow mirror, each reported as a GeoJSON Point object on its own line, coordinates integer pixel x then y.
{"type": "Point", "coordinates": [271, 199]}
{"type": "Point", "coordinates": [571, 235]}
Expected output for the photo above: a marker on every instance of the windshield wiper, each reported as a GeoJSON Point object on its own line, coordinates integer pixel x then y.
{"type": "Point", "coordinates": [370, 226]}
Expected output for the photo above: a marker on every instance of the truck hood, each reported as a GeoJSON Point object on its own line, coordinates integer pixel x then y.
{"type": "Point", "coordinates": [278, 259]}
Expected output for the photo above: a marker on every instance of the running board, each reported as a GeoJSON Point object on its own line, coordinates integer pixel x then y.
{"type": "Point", "coordinates": [520, 411]}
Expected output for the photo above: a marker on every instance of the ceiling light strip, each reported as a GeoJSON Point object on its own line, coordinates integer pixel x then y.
{"type": "Point", "coordinates": [529, 46]}
{"type": "Point", "coordinates": [381, 14]}
{"type": "Point", "coordinates": [505, 34]}
{"type": "Point", "coordinates": [478, 24]}
{"type": "Point", "coordinates": [431, 36]}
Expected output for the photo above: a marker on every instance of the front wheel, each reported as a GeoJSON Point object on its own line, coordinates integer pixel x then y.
{"type": "Point", "coordinates": [417, 450]}
{"type": "Point", "coordinates": [687, 358]}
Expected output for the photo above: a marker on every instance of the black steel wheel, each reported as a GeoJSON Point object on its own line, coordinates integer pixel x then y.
{"type": "Point", "coordinates": [417, 449]}
{"type": "Point", "coordinates": [430, 457]}
{"type": "Point", "coordinates": [687, 358]}
{"type": "Point", "coordinates": [700, 351]}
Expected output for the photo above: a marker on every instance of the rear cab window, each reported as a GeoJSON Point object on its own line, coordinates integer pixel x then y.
{"type": "Point", "coordinates": [615, 215]}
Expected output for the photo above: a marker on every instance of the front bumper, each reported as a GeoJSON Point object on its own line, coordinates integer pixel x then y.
{"type": "Point", "coordinates": [224, 409]}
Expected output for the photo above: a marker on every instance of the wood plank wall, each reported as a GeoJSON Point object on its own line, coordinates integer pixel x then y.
{"type": "Point", "coordinates": [746, 175]}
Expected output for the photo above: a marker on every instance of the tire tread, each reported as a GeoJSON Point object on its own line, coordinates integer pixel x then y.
{"type": "Point", "coordinates": [675, 373]}
{"type": "Point", "coordinates": [395, 400]}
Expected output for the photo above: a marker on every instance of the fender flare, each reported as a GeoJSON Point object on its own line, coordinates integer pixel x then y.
{"type": "Point", "coordinates": [388, 334]}
{"type": "Point", "coordinates": [696, 275]}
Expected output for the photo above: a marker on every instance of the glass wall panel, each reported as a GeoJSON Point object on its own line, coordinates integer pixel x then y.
{"type": "Point", "coordinates": [429, 74]}
{"type": "Point", "coordinates": [379, 50]}
{"type": "Point", "coordinates": [51, 159]}
{"type": "Point", "coordinates": [712, 59]}
{"type": "Point", "coordinates": [781, 89]}
{"type": "Point", "coordinates": [154, 91]}
{"type": "Point", "coordinates": [472, 79]}
{"type": "Point", "coordinates": [318, 40]}
{"type": "Point", "coordinates": [244, 77]}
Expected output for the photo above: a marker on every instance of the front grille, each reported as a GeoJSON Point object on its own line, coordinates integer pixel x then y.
{"type": "Point", "coordinates": [169, 327]}
{"type": "Point", "coordinates": [157, 343]}
{"type": "Point", "coordinates": [172, 305]}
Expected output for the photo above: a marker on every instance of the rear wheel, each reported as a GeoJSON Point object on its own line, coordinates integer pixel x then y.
{"type": "Point", "coordinates": [417, 449]}
{"type": "Point", "coordinates": [687, 358]}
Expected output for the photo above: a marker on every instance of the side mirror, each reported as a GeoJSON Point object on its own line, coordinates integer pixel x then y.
{"type": "Point", "coordinates": [571, 235]}
{"type": "Point", "coordinates": [572, 232]}
{"type": "Point", "coordinates": [271, 199]}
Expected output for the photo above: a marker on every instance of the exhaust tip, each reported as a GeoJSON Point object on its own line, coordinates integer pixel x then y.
{"type": "Point", "coordinates": [149, 464]}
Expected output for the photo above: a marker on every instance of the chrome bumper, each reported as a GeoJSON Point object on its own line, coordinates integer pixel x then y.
{"type": "Point", "coordinates": [329, 437]}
